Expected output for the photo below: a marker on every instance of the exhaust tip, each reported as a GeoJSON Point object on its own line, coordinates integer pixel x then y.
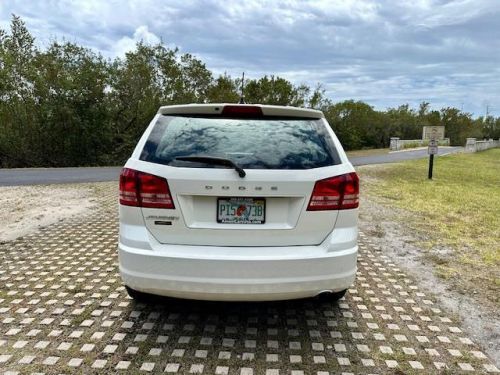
{"type": "Point", "coordinates": [324, 294]}
{"type": "Point", "coordinates": [330, 295]}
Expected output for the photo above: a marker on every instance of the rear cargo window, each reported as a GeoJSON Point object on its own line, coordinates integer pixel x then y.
{"type": "Point", "coordinates": [267, 143]}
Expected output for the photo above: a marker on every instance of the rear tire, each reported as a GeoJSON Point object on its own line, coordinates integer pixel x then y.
{"type": "Point", "coordinates": [332, 297]}
{"type": "Point", "coordinates": [138, 296]}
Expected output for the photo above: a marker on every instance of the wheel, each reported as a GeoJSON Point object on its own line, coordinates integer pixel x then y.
{"type": "Point", "coordinates": [138, 296]}
{"type": "Point", "coordinates": [332, 297]}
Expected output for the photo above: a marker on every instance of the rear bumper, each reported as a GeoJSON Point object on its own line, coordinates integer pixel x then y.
{"type": "Point", "coordinates": [239, 273]}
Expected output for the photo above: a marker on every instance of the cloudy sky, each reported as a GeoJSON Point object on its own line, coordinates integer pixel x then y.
{"type": "Point", "coordinates": [383, 52]}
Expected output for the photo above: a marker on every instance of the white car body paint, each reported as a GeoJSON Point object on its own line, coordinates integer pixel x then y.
{"type": "Point", "coordinates": [296, 253]}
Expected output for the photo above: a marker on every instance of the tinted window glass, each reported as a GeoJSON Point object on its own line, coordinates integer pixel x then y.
{"type": "Point", "coordinates": [268, 143]}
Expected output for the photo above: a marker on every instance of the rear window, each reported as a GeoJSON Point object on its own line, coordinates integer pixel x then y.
{"type": "Point", "coordinates": [267, 143]}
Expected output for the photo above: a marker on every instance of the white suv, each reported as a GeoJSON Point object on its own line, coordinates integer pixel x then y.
{"type": "Point", "coordinates": [238, 202]}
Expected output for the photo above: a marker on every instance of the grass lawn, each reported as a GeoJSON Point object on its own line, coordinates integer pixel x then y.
{"type": "Point", "coordinates": [458, 210]}
{"type": "Point", "coordinates": [369, 152]}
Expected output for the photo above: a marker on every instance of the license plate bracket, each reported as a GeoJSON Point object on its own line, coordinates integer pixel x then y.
{"type": "Point", "coordinates": [241, 210]}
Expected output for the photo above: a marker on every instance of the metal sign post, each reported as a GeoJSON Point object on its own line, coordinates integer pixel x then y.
{"type": "Point", "coordinates": [432, 150]}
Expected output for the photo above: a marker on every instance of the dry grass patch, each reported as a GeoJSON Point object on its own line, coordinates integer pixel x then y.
{"type": "Point", "coordinates": [457, 214]}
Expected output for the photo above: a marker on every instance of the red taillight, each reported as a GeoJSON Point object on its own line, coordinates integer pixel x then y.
{"type": "Point", "coordinates": [141, 189]}
{"type": "Point", "coordinates": [128, 187]}
{"type": "Point", "coordinates": [335, 193]}
{"type": "Point", "coordinates": [242, 111]}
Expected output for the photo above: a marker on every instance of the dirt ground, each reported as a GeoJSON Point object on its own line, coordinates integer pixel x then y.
{"type": "Point", "coordinates": [387, 229]}
{"type": "Point", "coordinates": [25, 209]}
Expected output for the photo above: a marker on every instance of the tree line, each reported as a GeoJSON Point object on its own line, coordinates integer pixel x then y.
{"type": "Point", "coordinates": [66, 105]}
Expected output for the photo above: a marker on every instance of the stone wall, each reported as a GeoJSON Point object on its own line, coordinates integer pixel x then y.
{"type": "Point", "coordinates": [473, 145]}
{"type": "Point", "coordinates": [400, 144]}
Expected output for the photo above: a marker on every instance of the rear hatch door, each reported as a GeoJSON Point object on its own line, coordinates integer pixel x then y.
{"type": "Point", "coordinates": [215, 207]}
{"type": "Point", "coordinates": [283, 157]}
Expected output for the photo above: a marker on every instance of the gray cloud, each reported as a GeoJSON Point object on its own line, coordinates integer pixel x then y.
{"type": "Point", "coordinates": [383, 52]}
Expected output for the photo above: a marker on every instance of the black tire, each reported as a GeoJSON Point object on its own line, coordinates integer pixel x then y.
{"type": "Point", "coordinates": [332, 297]}
{"type": "Point", "coordinates": [138, 296]}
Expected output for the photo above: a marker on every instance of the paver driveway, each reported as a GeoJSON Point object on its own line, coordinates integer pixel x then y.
{"type": "Point", "coordinates": [63, 309]}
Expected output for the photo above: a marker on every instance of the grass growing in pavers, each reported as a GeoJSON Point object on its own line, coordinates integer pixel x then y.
{"type": "Point", "coordinates": [63, 309]}
{"type": "Point", "coordinates": [457, 214]}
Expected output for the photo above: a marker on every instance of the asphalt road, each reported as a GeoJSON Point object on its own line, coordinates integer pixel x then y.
{"type": "Point", "coordinates": [395, 157]}
{"type": "Point", "coordinates": [36, 176]}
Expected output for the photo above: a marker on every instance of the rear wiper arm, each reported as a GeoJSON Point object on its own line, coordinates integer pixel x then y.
{"type": "Point", "coordinates": [215, 161]}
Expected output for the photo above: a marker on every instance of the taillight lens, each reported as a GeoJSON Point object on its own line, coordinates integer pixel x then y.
{"type": "Point", "coordinates": [335, 193]}
{"type": "Point", "coordinates": [141, 189]}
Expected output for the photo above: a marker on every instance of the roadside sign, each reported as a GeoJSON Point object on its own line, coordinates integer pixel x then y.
{"type": "Point", "coordinates": [433, 147]}
{"type": "Point", "coordinates": [432, 150]}
{"type": "Point", "coordinates": [433, 132]}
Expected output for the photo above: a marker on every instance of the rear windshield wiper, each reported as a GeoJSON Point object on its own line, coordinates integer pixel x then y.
{"type": "Point", "coordinates": [215, 161]}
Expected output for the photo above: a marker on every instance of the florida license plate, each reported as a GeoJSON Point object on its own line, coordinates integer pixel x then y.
{"type": "Point", "coordinates": [241, 210]}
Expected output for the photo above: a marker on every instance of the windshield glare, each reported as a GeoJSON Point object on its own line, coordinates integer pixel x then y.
{"type": "Point", "coordinates": [268, 143]}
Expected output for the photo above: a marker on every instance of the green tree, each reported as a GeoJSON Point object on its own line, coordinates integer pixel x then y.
{"type": "Point", "coordinates": [317, 99]}
{"type": "Point", "coordinates": [490, 126]}
{"type": "Point", "coordinates": [459, 126]}
{"type": "Point", "coordinates": [355, 123]}
{"type": "Point", "coordinates": [65, 105]}
{"type": "Point", "coordinates": [134, 96]}
{"type": "Point", "coordinates": [403, 122]}
{"type": "Point", "coordinates": [17, 104]}
{"type": "Point", "coordinates": [224, 90]}
{"type": "Point", "coordinates": [276, 91]}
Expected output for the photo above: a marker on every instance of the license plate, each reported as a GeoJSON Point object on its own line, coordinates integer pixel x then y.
{"type": "Point", "coordinates": [241, 210]}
